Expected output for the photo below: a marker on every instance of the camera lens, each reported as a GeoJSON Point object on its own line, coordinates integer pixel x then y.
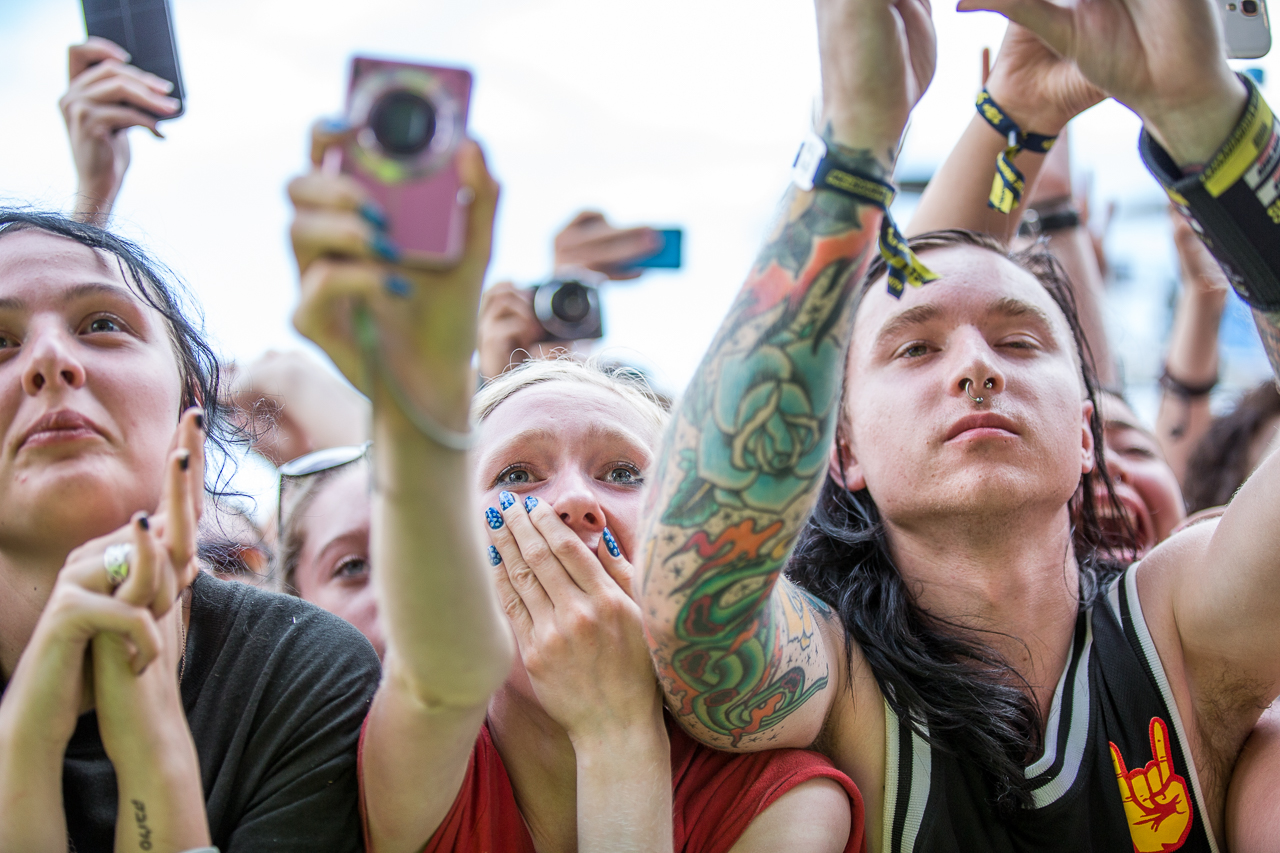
{"type": "Point", "coordinates": [1249, 7]}
{"type": "Point", "coordinates": [571, 303]}
{"type": "Point", "coordinates": [403, 123]}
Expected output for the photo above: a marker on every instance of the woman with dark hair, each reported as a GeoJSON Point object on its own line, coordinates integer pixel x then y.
{"type": "Point", "coordinates": [146, 705]}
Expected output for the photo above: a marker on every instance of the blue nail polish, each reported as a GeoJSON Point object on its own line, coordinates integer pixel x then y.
{"type": "Point", "coordinates": [494, 518]}
{"type": "Point", "coordinates": [375, 217]}
{"type": "Point", "coordinates": [334, 125]}
{"type": "Point", "coordinates": [382, 246]}
{"type": "Point", "coordinates": [495, 558]}
{"type": "Point", "coordinates": [506, 500]}
{"type": "Point", "coordinates": [611, 544]}
{"type": "Point", "coordinates": [398, 285]}
{"type": "Point", "coordinates": [529, 503]}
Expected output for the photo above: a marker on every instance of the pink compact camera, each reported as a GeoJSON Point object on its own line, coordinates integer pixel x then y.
{"type": "Point", "coordinates": [409, 121]}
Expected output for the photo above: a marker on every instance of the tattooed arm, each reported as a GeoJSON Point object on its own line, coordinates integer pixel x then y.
{"type": "Point", "coordinates": [739, 652]}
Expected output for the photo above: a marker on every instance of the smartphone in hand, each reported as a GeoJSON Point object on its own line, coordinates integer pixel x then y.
{"type": "Point", "coordinates": [666, 256]}
{"type": "Point", "coordinates": [409, 121]}
{"type": "Point", "coordinates": [145, 29]}
{"type": "Point", "coordinates": [1247, 26]}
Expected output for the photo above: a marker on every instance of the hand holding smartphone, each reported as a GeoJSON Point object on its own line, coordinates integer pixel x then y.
{"type": "Point", "coordinates": [144, 28]}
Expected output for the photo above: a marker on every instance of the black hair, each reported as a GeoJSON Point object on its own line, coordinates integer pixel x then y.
{"type": "Point", "coordinates": [1220, 462]}
{"type": "Point", "coordinates": [158, 287]}
{"type": "Point", "coordinates": [933, 672]}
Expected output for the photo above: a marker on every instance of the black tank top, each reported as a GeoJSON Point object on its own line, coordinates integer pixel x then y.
{"type": "Point", "coordinates": [1116, 773]}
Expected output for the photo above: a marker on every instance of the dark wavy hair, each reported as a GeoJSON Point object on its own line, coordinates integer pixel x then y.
{"type": "Point", "coordinates": [1220, 463]}
{"type": "Point", "coordinates": [934, 672]}
{"type": "Point", "coordinates": [158, 287]}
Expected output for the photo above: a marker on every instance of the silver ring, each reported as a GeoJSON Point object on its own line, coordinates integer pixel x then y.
{"type": "Point", "coordinates": [968, 383]}
{"type": "Point", "coordinates": [115, 559]}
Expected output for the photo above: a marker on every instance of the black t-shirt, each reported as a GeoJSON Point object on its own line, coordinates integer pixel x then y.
{"type": "Point", "coordinates": [275, 691]}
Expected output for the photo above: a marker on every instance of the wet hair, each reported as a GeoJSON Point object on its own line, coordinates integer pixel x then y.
{"type": "Point", "coordinates": [1220, 463]}
{"type": "Point", "coordinates": [933, 672]}
{"type": "Point", "coordinates": [626, 382]}
{"type": "Point", "coordinates": [158, 287]}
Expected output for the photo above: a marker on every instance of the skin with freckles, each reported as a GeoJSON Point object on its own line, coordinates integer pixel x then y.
{"type": "Point", "coordinates": [333, 564]}
{"type": "Point", "coordinates": [68, 306]}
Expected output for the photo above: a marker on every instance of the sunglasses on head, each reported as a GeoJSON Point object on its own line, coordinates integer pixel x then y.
{"type": "Point", "coordinates": [316, 462]}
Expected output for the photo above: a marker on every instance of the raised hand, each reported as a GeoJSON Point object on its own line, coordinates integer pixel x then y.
{"type": "Point", "coordinates": [1039, 89]}
{"type": "Point", "coordinates": [1155, 797]}
{"type": "Point", "coordinates": [590, 241]}
{"type": "Point", "coordinates": [1164, 59]}
{"type": "Point", "coordinates": [106, 96]}
{"type": "Point", "coordinates": [578, 630]}
{"type": "Point", "coordinates": [877, 59]}
{"type": "Point", "coordinates": [425, 320]}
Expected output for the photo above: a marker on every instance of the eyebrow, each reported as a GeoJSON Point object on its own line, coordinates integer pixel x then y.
{"type": "Point", "coordinates": [78, 291]}
{"type": "Point", "coordinates": [1007, 307]}
{"type": "Point", "coordinates": [1121, 423]}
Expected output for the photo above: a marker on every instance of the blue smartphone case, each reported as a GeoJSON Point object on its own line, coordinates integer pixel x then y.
{"type": "Point", "coordinates": [667, 257]}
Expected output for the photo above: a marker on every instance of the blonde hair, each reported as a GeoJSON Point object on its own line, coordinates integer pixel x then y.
{"type": "Point", "coordinates": [626, 382]}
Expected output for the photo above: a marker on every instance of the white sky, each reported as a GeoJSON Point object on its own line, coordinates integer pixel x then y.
{"type": "Point", "coordinates": [672, 112]}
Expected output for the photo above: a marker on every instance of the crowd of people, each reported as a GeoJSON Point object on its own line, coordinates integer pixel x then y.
{"type": "Point", "coordinates": [901, 570]}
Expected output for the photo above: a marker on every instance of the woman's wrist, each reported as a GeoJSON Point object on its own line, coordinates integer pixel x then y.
{"type": "Point", "coordinates": [610, 737]}
{"type": "Point", "coordinates": [1031, 116]}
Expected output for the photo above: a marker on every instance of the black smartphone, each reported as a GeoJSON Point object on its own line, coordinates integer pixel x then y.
{"type": "Point", "coordinates": [145, 29]}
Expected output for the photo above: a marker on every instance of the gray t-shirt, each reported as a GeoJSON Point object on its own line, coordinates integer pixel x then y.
{"type": "Point", "coordinates": [275, 691]}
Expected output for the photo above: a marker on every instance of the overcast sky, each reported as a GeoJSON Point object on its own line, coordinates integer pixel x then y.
{"type": "Point", "coordinates": [679, 113]}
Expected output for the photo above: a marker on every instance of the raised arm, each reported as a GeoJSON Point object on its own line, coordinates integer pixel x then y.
{"type": "Point", "coordinates": [738, 652]}
{"type": "Point", "coordinates": [448, 646]}
{"type": "Point", "coordinates": [106, 97]}
{"type": "Point", "coordinates": [1191, 365]}
{"type": "Point", "coordinates": [1040, 92]}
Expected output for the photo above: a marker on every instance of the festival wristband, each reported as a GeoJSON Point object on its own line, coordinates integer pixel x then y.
{"type": "Point", "coordinates": [1009, 183]}
{"type": "Point", "coordinates": [1234, 204]}
{"type": "Point", "coordinates": [817, 167]}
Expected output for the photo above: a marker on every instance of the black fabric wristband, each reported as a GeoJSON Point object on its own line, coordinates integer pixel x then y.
{"type": "Point", "coordinates": [1181, 389]}
{"type": "Point", "coordinates": [1235, 202]}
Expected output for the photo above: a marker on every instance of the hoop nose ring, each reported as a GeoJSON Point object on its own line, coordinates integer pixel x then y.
{"type": "Point", "coordinates": [968, 383]}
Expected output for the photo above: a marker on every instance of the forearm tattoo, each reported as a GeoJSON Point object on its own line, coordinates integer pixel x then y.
{"type": "Point", "coordinates": [140, 818]}
{"type": "Point", "coordinates": [741, 467]}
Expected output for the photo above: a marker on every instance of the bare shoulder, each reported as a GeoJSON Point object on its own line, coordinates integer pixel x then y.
{"type": "Point", "coordinates": [815, 815]}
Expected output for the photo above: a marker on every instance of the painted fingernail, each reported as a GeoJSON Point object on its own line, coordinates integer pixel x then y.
{"type": "Point", "coordinates": [529, 503]}
{"type": "Point", "coordinates": [382, 246]}
{"type": "Point", "coordinates": [494, 518]}
{"type": "Point", "coordinates": [334, 125]}
{"type": "Point", "coordinates": [184, 460]}
{"type": "Point", "coordinates": [506, 499]}
{"type": "Point", "coordinates": [398, 285]}
{"type": "Point", "coordinates": [611, 544]}
{"type": "Point", "coordinates": [144, 522]}
{"type": "Point", "coordinates": [495, 558]}
{"type": "Point", "coordinates": [199, 420]}
{"type": "Point", "coordinates": [370, 213]}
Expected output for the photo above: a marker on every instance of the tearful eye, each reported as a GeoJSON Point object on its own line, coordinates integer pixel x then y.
{"type": "Point", "coordinates": [515, 476]}
{"type": "Point", "coordinates": [628, 475]}
{"type": "Point", "coordinates": [7, 342]}
{"type": "Point", "coordinates": [915, 350]}
{"type": "Point", "coordinates": [103, 324]}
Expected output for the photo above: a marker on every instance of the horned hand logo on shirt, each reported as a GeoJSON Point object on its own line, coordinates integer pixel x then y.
{"type": "Point", "coordinates": [1156, 801]}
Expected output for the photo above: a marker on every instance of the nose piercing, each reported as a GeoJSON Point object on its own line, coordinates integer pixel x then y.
{"type": "Point", "coordinates": [968, 383]}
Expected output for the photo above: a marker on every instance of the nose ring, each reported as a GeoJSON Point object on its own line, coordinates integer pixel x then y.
{"type": "Point", "coordinates": [968, 383]}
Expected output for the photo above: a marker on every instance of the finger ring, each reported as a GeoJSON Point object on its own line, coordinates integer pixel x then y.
{"type": "Point", "coordinates": [116, 561]}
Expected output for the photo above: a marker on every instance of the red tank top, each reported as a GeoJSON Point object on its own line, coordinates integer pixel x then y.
{"type": "Point", "coordinates": [715, 796]}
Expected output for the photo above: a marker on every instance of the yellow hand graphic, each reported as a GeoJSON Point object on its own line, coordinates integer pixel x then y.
{"type": "Point", "coordinates": [1156, 801]}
